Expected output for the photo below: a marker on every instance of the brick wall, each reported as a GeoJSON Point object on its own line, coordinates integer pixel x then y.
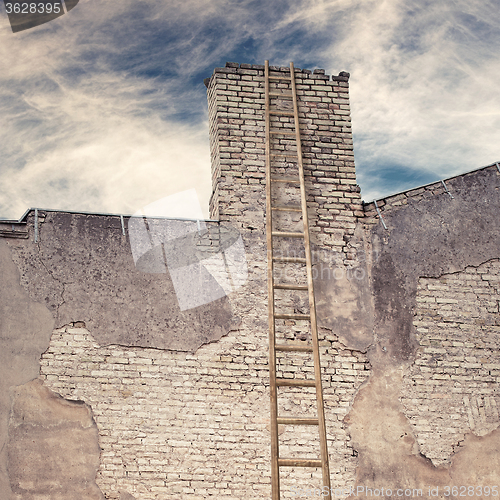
{"type": "Point", "coordinates": [396, 201]}
{"type": "Point", "coordinates": [177, 425]}
{"type": "Point", "coordinates": [237, 124]}
{"type": "Point", "coordinates": [452, 388]}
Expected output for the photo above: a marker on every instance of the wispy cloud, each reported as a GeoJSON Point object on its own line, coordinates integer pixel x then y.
{"type": "Point", "coordinates": [104, 109]}
{"type": "Point", "coordinates": [423, 92]}
{"type": "Point", "coordinates": [424, 97]}
{"type": "Point", "coordinates": [80, 130]}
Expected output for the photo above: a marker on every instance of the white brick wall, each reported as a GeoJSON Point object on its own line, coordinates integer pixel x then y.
{"type": "Point", "coordinates": [453, 386]}
{"type": "Point", "coordinates": [177, 425]}
{"type": "Point", "coordinates": [237, 124]}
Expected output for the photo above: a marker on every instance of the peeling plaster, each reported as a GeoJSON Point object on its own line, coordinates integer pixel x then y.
{"type": "Point", "coordinates": [82, 268]}
{"type": "Point", "coordinates": [382, 436]}
{"type": "Point", "coordinates": [25, 330]}
{"type": "Point", "coordinates": [430, 237]}
{"type": "Point", "coordinates": [53, 446]}
{"type": "Point", "coordinates": [389, 456]}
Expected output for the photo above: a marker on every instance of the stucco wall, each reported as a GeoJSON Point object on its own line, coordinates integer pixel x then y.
{"type": "Point", "coordinates": [434, 345]}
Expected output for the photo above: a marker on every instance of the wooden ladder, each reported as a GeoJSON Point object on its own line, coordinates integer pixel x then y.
{"type": "Point", "coordinates": [296, 156]}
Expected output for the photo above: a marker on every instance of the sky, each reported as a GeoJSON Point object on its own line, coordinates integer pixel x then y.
{"type": "Point", "coordinates": [104, 109]}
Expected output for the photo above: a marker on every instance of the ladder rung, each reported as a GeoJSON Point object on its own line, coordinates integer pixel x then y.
{"type": "Point", "coordinates": [293, 260]}
{"type": "Point", "coordinates": [284, 286]}
{"type": "Point", "coordinates": [281, 132]}
{"type": "Point", "coordinates": [280, 94]}
{"type": "Point", "coordinates": [276, 77]}
{"type": "Point", "coordinates": [290, 208]}
{"type": "Point", "coordinates": [284, 234]}
{"type": "Point", "coordinates": [293, 348]}
{"type": "Point", "coordinates": [297, 421]}
{"type": "Point", "coordinates": [284, 179]}
{"type": "Point", "coordinates": [292, 316]}
{"type": "Point", "coordinates": [299, 462]}
{"type": "Point", "coordinates": [281, 113]}
{"type": "Point", "coordinates": [284, 155]}
{"type": "Point", "coordinates": [292, 382]}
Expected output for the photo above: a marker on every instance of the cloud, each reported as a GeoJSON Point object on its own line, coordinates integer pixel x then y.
{"type": "Point", "coordinates": [314, 14]}
{"type": "Point", "coordinates": [423, 85]}
{"type": "Point", "coordinates": [105, 144]}
{"type": "Point", "coordinates": [105, 109]}
{"type": "Point", "coordinates": [423, 92]}
{"type": "Point", "coordinates": [79, 130]}
{"type": "Point", "coordinates": [97, 104]}
{"type": "Point", "coordinates": [118, 167]}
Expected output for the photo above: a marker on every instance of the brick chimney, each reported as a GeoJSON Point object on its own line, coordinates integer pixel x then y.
{"type": "Point", "coordinates": [236, 104]}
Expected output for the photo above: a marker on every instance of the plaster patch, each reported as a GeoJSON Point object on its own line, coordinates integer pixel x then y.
{"type": "Point", "coordinates": [53, 446]}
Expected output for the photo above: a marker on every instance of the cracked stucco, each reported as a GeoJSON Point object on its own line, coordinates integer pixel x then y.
{"type": "Point", "coordinates": [429, 237]}
{"type": "Point", "coordinates": [82, 268]}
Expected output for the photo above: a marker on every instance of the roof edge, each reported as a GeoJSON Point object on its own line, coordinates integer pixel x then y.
{"type": "Point", "coordinates": [23, 218]}
{"type": "Point", "coordinates": [496, 163]}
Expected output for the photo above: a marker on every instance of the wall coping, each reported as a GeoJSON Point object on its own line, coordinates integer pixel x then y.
{"type": "Point", "coordinates": [370, 205]}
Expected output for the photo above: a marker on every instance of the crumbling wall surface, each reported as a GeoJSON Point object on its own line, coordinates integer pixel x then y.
{"type": "Point", "coordinates": [53, 446]}
{"type": "Point", "coordinates": [429, 237]}
{"type": "Point", "coordinates": [36, 435]}
{"type": "Point", "coordinates": [179, 425]}
{"type": "Point", "coordinates": [453, 386]}
{"type": "Point", "coordinates": [82, 268]}
{"type": "Point", "coordinates": [435, 290]}
{"type": "Point", "coordinates": [179, 393]}
{"type": "Point", "coordinates": [390, 458]}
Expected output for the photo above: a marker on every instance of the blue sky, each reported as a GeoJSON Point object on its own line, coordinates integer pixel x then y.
{"type": "Point", "coordinates": [104, 109]}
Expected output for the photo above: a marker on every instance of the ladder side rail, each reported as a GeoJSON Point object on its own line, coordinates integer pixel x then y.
{"type": "Point", "coordinates": [275, 475]}
{"type": "Point", "coordinates": [312, 305]}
